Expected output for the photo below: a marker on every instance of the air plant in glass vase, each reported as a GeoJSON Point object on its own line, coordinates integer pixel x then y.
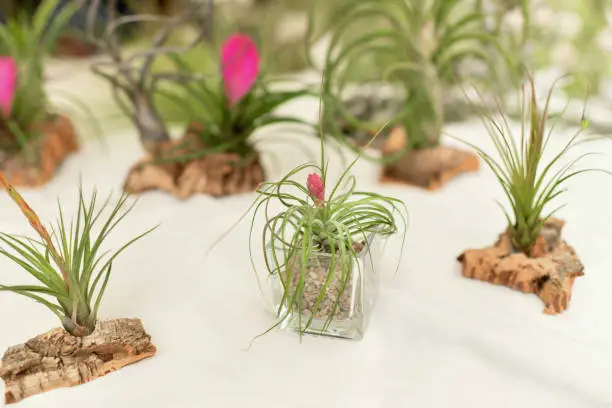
{"type": "Point", "coordinates": [217, 155]}
{"type": "Point", "coordinates": [323, 250]}
{"type": "Point", "coordinates": [69, 273]}
{"type": "Point", "coordinates": [418, 47]}
{"type": "Point", "coordinates": [34, 138]}
{"type": "Point", "coordinates": [530, 256]}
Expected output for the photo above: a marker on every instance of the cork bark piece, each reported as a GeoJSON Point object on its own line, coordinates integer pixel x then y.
{"type": "Point", "coordinates": [549, 271]}
{"type": "Point", "coordinates": [218, 175]}
{"type": "Point", "coordinates": [58, 140]}
{"type": "Point", "coordinates": [430, 167]}
{"type": "Point", "coordinates": [72, 47]}
{"type": "Point", "coordinates": [57, 359]}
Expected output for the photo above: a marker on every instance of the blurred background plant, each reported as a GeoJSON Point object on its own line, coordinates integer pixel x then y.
{"type": "Point", "coordinates": [416, 46]}
{"type": "Point", "coordinates": [26, 40]}
{"type": "Point", "coordinates": [226, 106]}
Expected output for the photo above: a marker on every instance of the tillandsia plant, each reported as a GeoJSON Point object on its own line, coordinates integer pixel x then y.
{"type": "Point", "coordinates": [225, 113]}
{"type": "Point", "coordinates": [530, 256]}
{"type": "Point", "coordinates": [217, 155]}
{"type": "Point", "coordinates": [418, 45]}
{"type": "Point", "coordinates": [72, 271]}
{"type": "Point", "coordinates": [529, 183]}
{"type": "Point", "coordinates": [130, 74]}
{"type": "Point", "coordinates": [320, 250]}
{"type": "Point", "coordinates": [69, 264]}
{"type": "Point", "coordinates": [24, 42]}
{"type": "Point", "coordinates": [199, 162]}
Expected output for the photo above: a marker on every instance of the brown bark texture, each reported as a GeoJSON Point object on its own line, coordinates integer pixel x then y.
{"type": "Point", "coordinates": [72, 47]}
{"type": "Point", "coordinates": [218, 175]}
{"type": "Point", "coordinates": [58, 140]}
{"type": "Point", "coordinates": [57, 359]}
{"type": "Point", "coordinates": [549, 272]}
{"type": "Point", "coordinates": [430, 167]}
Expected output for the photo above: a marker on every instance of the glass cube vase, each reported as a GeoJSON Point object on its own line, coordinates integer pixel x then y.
{"type": "Point", "coordinates": [345, 316]}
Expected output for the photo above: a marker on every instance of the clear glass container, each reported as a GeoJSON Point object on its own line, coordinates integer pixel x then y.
{"type": "Point", "coordinates": [345, 316]}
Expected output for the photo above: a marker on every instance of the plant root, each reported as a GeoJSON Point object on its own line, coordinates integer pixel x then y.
{"type": "Point", "coordinates": [549, 272]}
{"type": "Point", "coordinates": [430, 167]}
{"type": "Point", "coordinates": [57, 359]}
{"type": "Point", "coordinates": [57, 142]}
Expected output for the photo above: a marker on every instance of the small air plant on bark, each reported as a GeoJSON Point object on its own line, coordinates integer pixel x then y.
{"type": "Point", "coordinates": [34, 139]}
{"type": "Point", "coordinates": [134, 86]}
{"type": "Point", "coordinates": [530, 256]}
{"type": "Point", "coordinates": [322, 251]}
{"type": "Point", "coordinates": [418, 46]}
{"type": "Point", "coordinates": [72, 272]}
{"type": "Point", "coordinates": [218, 152]}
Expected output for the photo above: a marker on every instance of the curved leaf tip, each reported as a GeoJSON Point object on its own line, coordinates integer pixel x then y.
{"type": "Point", "coordinates": [239, 66]}
{"type": "Point", "coordinates": [8, 84]}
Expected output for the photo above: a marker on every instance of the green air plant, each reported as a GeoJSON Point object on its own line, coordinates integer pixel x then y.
{"type": "Point", "coordinates": [321, 249]}
{"type": "Point", "coordinates": [24, 42]}
{"type": "Point", "coordinates": [420, 47]}
{"type": "Point", "coordinates": [223, 115]}
{"type": "Point", "coordinates": [226, 111]}
{"type": "Point", "coordinates": [529, 183]}
{"type": "Point", "coordinates": [69, 264]}
{"type": "Point", "coordinates": [530, 256]}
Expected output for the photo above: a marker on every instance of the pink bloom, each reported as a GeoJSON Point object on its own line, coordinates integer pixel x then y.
{"type": "Point", "coordinates": [316, 189]}
{"type": "Point", "coordinates": [239, 66]}
{"type": "Point", "coordinates": [8, 84]}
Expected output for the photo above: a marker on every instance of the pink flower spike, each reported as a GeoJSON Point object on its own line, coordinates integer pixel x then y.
{"type": "Point", "coordinates": [239, 66]}
{"type": "Point", "coordinates": [8, 84]}
{"type": "Point", "coordinates": [316, 189]}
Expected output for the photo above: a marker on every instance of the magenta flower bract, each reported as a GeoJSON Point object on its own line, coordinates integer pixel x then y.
{"type": "Point", "coordinates": [8, 84]}
{"type": "Point", "coordinates": [239, 66]}
{"type": "Point", "coordinates": [316, 189]}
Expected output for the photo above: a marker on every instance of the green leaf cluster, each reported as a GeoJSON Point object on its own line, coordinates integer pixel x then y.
{"type": "Point", "coordinates": [27, 39]}
{"type": "Point", "coordinates": [304, 229]}
{"type": "Point", "coordinates": [529, 183]}
{"type": "Point", "coordinates": [415, 44]}
{"type": "Point", "coordinates": [86, 263]}
{"type": "Point", "coordinates": [222, 128]}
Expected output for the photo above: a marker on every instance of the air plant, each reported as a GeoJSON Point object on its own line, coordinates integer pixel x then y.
{"type": "Point", "coordinates": [225, 110]}
{"type": "Point", "coordinates": [336, 221]}
{"type": "Point", "coordinates": [130, 74]}
{"type": "Point", "coordinates": [529, 183]}
{"type": "Point", "coordinates": [418, 45]}
{"type": "Point", "coordinates": [72, 270]}
{"type": "Point", "coordinates": [24, 42]}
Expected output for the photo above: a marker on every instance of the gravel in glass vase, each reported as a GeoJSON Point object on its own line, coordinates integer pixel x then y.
{"type": "Point", "coordinates": [339, 305]}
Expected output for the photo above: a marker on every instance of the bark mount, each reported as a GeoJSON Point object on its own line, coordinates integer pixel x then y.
{"type": "Point", "coordinates": [57, 359]}
{"type": "Point", "coordinates": [549, 272]}
{"type": "Point", "coordinates": [57, 141]}
{"type": "Point", "coordinates": [217, 175]}
{"type": "Point", "coordinates": [430, 167]}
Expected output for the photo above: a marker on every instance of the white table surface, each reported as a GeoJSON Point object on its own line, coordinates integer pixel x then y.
{"type": "Point", "coordinates": [436, 339]}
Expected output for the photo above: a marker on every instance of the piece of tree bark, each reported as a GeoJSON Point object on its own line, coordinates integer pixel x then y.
{"type": "Point", "coordinates": [218, 175]}
{"type": "Point", "coordinates": [549, 272]}
{"type": "Point", "coordinates": [57, 359]}
{"type": "Point", "coordinates": [57, 141]}
{"type": "Point", "coordinates": [430, 167]}
{"type": "Point", "coordinates": [72, 47]}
